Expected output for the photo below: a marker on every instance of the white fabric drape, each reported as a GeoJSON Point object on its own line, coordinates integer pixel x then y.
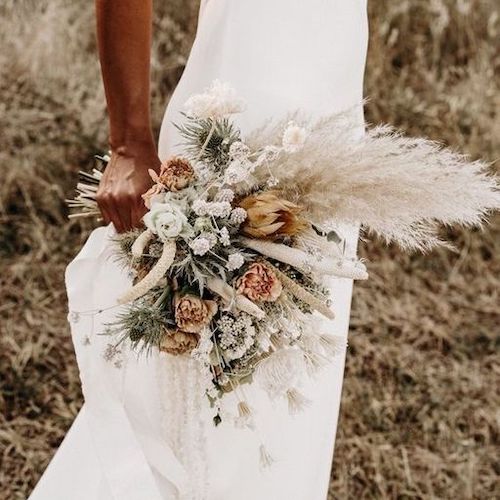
{"type": "Point", "coordinates": [145, 432]}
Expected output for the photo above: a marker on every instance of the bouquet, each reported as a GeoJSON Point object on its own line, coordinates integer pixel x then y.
{"type": "Point", "coordinates": [240, 232]}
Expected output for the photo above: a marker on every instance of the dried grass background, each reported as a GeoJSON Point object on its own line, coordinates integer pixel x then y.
{"type": "Point", "coordinates": [419, 415]}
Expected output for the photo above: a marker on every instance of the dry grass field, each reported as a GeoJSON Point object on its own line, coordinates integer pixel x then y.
{"type": "Point", "coordinates": [420, 404]}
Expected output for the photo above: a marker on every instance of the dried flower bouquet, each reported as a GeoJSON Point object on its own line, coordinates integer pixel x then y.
{"type": "Point", "coordinates": [236, 238]}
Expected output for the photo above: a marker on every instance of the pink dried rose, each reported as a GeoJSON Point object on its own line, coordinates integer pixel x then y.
{"type": "Point", "coordinates": [177, 342]}
{"type": "Point", "coordinates": [175, 174]}
{"type": "Point", "coordinates": [192, 313]}
{"type": "Point", "coordinates": [259, 283]}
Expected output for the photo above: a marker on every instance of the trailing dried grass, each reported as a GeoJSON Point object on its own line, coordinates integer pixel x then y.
{"type": "Point", "coordinates": [419, 402]}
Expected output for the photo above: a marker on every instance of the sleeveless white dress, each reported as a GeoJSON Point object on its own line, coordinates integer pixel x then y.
{"type": "Point", "coordinates": [145, 431]}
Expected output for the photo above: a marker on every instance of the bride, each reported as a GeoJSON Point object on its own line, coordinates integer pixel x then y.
{"type": "Point", "coordinates": [143, 432]}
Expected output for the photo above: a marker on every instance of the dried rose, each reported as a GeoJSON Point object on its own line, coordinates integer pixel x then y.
{"type": "Point", "coordinates": [176, 342]}
{"type": "Point", "coordinates": [269, 216]}
{"type": "Point", "coordinates": [192, 313]}
{"type": "Point", "coordinates": [175, 174]}
{"type": "Point", "coordinates": [259, 283]}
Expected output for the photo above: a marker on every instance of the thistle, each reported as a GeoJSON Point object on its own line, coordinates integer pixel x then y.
{"type": "Point", "coordinates": [142, 324]}
{"type": "Point", "coordinates": [212, 139]}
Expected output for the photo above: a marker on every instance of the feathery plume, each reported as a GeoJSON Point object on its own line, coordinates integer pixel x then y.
{"type": "Point", "coordinates": [398, 187]}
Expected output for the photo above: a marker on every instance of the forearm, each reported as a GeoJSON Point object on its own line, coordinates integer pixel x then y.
{"type": "Point", "coordinates": [124, 39]}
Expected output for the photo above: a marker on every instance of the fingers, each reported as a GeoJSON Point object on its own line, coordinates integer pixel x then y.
{"type": "Point", "coordinates": [110, 212]}
{"type": "Point", "coordinates": [125, 212]}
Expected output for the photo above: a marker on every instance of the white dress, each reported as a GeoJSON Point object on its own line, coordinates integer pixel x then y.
{"type": "Point", "coordinates": [145, 431]}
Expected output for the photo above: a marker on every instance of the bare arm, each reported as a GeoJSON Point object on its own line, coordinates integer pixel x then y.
{"type": "Point", "coordinates": [124, 39]}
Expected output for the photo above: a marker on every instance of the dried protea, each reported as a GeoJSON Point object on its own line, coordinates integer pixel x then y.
{"type": "Point", "coordinates": [176, 342]}
{"type": "Point", "coordinates": [269, 216]}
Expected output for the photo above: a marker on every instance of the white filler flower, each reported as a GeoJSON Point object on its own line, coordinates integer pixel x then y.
{"type": "Point", "coordinates": [238, 215]}
{"type": "Point", "coordinates": [167, 221]}
{"type": "Point", "coordinates": [200, 207]}
{"type": "Point", "coordinates": [200, 245]}
{"type": "Point", "coordinates": [224, 237]}
{"type": "Point", "coordinates": [236, 172]}
{"type": "Point", "coordinates": [239, 150]}
{"type": "Point", "coordinates": [225, 195]}
{"type": "Point", "coordinates": [235, 261]}
{"type": "Point", "coordinates": [218, 101]}
{"type": "Point", "coordinates": [294, 138]}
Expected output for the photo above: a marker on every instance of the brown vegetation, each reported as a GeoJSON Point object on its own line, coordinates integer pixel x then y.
{"type": "Point", "coordinates": [419, 402]}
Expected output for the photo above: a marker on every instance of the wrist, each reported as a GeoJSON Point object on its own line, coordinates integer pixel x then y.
{"type": "Point", "coordinates": [133, 143]}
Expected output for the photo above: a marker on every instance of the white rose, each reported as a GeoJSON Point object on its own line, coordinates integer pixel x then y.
{"type": "Point", "coordinates": [167, 221]}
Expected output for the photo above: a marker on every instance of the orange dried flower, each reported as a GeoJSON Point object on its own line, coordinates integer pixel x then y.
{"type": "Point", "coordinates": [175, 174]}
